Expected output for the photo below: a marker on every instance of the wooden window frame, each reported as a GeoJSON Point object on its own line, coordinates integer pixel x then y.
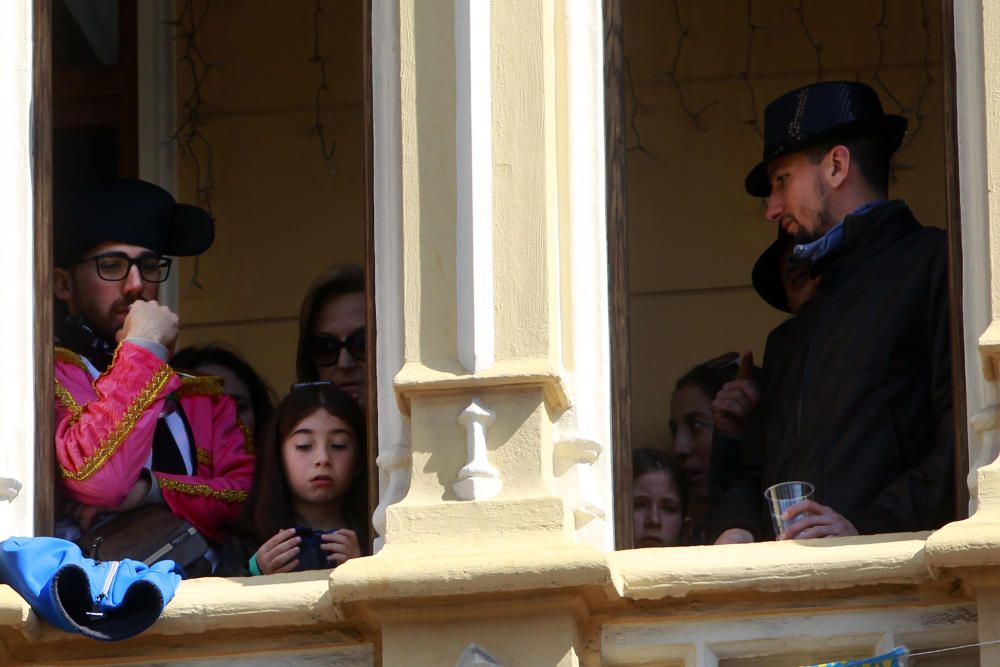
{"type": "Point", "coordinates": [617, 221]}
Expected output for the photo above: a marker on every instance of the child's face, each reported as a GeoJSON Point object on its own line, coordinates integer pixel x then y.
{"type": "Point", "coordinates": [656, 510]}
{"type": "Point", "coordinates": [319, 458]}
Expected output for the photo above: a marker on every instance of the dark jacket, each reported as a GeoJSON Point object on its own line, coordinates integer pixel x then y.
{"type": "Point", "coordinates": [857, 387]}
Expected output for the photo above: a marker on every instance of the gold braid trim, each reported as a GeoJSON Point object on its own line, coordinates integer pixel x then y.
{"type": "Point", "coordinates": [199, 385]}
{"type": "Point", "coordinates": [71, 357]}
{"type": "Point", "coordinates": [123, 428]}
{"type": "Point", "coordinates": [66, 398]}
{"type": "Point", "coordinates": [228, 495]}
{"type": "Point", "coordinates": [204, 456]}
{"type": "Point", "coordinates": [247, 436]}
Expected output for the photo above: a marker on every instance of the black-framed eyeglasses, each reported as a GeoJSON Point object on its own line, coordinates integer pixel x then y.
{"type": "Point", "coordinates": [114, 266]}
{"type": "Point", "coordinates": [324, 349]}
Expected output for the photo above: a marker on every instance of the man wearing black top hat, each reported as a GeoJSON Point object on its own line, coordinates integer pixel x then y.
{"type": "Point", "coordinates": [129, 429]}
{"type": "Point", "coordinates": [857, 386]}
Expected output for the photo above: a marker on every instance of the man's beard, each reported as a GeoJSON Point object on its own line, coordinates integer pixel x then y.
{"type": "Point", "coordinates": [107, 327]}
{"type": "Point", "coordinates": [824, 218]}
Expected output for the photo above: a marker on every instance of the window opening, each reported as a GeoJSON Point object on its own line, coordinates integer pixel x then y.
{"type": "Point", "coordinates": [272, 137]}
{"type": "Point", "coordinates": [687, 83]}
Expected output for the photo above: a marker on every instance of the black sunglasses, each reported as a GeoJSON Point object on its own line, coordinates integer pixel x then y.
{"type": "Point", "coordinates": [324, 349]}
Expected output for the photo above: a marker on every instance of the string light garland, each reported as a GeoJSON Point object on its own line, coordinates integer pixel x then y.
{"type": "Point", "coordinates": [816, 45]}
{"type": "Point", "coordinates": [328, 146]}
{"type": "Point", "coordinates": [684, 36]}
{"type": "Point", "coordinates": [671, 74]}
{"type": "Point", "coordinates": [636, 109]}
{"type": "Point", "coordinates": [745, 74]}
{"type": "Point", "coordinates": [188, 136]}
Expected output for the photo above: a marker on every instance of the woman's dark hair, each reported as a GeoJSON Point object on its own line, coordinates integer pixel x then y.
{"type": "Point", "coordinates": [709, 376]}
{"type": "Point", "coordinates": [269, 507]}
{"type": "Point", "coordinates": [341, 279]}
{"type": "Point", "coordinates": [261, 395]}
{"type": "Point", "coordinates": [646, 460]}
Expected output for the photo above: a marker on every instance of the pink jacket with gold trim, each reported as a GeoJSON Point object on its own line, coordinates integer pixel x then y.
{"type": "Point", "coordinates": [104, 436]}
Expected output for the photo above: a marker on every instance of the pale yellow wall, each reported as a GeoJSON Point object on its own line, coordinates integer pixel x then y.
{"type": "Point", "coordinates": [694, 233]}
{"type": "Point", "coordinates": [283, 214]}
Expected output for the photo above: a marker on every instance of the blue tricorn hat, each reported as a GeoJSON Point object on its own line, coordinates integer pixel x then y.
{"type": "Point", "coordinates": [818, 113]}
{"type": "Point", "coordinates": [128, 211]}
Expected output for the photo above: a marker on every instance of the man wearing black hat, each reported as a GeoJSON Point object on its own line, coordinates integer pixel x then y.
{"type": "Point", "coordinates": [857, 387]}
{"type": "Point", "coordinates": [129, 429]}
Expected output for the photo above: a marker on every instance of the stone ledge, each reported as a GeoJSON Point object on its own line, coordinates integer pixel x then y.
{"type": "Point", "coordinates": [449, 375]}
{"type": "Point", "coordinates": [210, 605]}
{"type": "Point", "coordinates": [649, 574]}
{"type": "Point", "coordinates": [970, 543]}
{"type": "Point", "coordinates": [413, 572]}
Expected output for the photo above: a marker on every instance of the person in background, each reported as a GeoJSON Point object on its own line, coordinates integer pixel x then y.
{"type": "Point", "coordinates": [332, 331]}
{"type": "Point", "coordinates": [785, 284]}
{"type": "Point", "coordinates": [659, 499]}
{"type": "Point", "coordinates": [692, 427]}
{"type": "Point", "coordinates": [254, 398]}
{"type": "Point", "coordinates": [308, 507]}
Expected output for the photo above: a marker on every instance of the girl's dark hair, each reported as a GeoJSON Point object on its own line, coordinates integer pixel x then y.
{"type": "Point", "coordinates": [261, 395]}
{"type": "Point", "coordinates": [709, 376]}
{"type": "Point", "coordinates": [646, 460]}
{"type": "Point", "coordinates": [269, 508]}
{"type": "Point", "coordinates": [339, 280]}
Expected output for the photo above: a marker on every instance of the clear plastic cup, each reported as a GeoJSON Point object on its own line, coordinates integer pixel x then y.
{"type": "Point", "coordinates": [782, 496]}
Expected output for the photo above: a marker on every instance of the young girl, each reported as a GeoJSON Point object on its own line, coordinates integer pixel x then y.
{"type": "Point", "coordinates": [659, 499]}
{"type": "Point", "coordinates": [308, 505]}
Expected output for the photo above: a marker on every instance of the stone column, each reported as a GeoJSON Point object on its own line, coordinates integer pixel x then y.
{"type": "Point", "coordinates": [971, 548]}
{"type": "Point", "coordinates": [491, 298]}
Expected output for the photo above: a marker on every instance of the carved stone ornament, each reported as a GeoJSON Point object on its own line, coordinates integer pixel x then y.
{"type": "Point", "coordinates": [395, 463]}
{"type": "Point", "coordinates": [9, 488]}
{"type": "Point", "coordinates": [583, 453]}
{"type": "Point", "coordinates": [475, 655]}
{"type": "Point", "coordinates": [478, 479]}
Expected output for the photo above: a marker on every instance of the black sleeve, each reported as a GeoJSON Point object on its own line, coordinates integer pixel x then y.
{"type": "Point", "coordinates": [234, 561]}
{"type": "Point", "coordinates": [923, 497]}
{"type": "Point", "coordinates": [724, 464]}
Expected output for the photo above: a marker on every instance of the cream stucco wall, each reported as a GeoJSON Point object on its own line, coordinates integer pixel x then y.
{"type": "Point", "coordinates": [283, 213]}
{"type": "Point", "coordinates": [505, 571]}
{"type": "Point", "coordinates": [694, 233]}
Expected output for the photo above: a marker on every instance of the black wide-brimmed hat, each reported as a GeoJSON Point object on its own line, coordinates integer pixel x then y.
{"type": "Point", "coordinates": [767, 279]}
{"type": "Point", "coordinates": [128, 211]}
{"type": "Point", "coordinates": [818, 113]}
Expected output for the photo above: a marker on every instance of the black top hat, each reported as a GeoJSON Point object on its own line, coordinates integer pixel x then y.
{"type": "Point", "coordinates": [767, 278]}
{"type": "Point", "coordinates": [817, 113]}
{"type": "Point", "coordinates": [128, 211]}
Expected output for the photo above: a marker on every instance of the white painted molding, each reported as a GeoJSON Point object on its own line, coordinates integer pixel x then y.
{"type": "Point", "coordinates": [971, 113]}
{"type": "Point", "coordinates": [580, 454]}
{"type": "Point", "coordinates": [17, 395]}
{"type": "Point", "coordinates": [478, 479]}
{"type": "Point", "coordinates": [475, 655]}
{"type": "Point", "coordinates": [474, 174]}
{"type": "Point", "coordinates": [393, 428]}
{"type": "Point", "coordinates": [588, 488]}
{"type": "Point", "coordinates": [394, 463]}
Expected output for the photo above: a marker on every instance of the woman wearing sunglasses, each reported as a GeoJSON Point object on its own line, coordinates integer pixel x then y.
{"type": "Point", "coordinates": [332, 331]}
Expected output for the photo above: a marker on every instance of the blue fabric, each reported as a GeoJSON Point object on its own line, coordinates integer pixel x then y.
{"type": "Point", "coordinates": [108, 600]}
{"type": "Point", "coordinates": [890, 659]}
{"type": "Point", "coordinates": [834, 237]}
